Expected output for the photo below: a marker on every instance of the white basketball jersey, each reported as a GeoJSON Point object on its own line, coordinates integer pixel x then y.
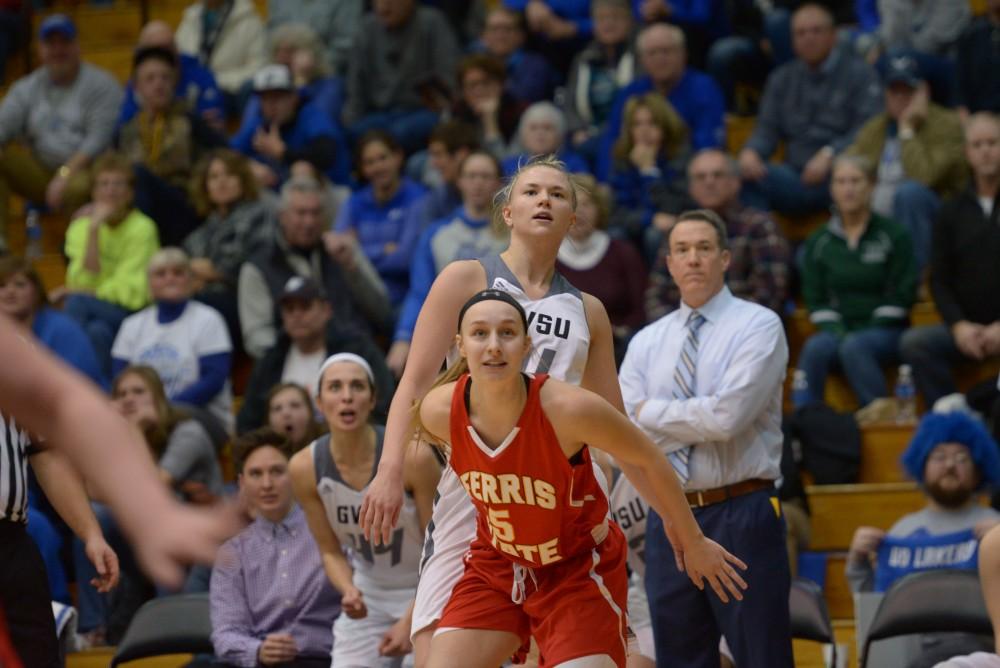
{"type": "Point", "coordinates": [560, 338]}
{"type": "Point", "coordinates": [377, 569]}
{"type": "Point", "coordinates": [630, 511]}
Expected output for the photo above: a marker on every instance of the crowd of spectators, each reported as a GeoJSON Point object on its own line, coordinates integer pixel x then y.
{"type": "Point", "coordinates": [268, 192]}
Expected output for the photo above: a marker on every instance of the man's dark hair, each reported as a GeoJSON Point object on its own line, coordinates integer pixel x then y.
{"type": "Point", "coordinates": [704, 216]}
{"type": "Point", "coordinates": [144, 53]}
{"type": "Point", "coordinates": [455, 135]}
{"type": "Point", "coordinates": [251, 441]}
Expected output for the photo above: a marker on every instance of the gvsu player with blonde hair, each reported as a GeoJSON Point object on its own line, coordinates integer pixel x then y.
{"type": "Point", "coordinates": [572, 341]}
{"type": "Point", "coordinates": [546, 561]}
{"type": "Point", "coordinates": [377, 582]}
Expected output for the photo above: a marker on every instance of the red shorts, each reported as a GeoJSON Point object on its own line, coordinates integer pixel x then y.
{"type": "Point", "coordinates": [573, 608]}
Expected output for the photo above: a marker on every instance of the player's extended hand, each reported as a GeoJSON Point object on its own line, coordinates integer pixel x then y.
{"type": "Point", "coordinates": [105, 562]}
{"type": "Point", "coordinates": [381, 505]}
{"type": "Point", "coordinates": [353, 603]}
{"type": "Point", "coordinates": [277, 648]}
{"type": "Point", "coordinates": [706, 559]}
{"type": "Point", "coordinates": [175, 535]}
{"type": "Point", "coordinates": [396, 641]}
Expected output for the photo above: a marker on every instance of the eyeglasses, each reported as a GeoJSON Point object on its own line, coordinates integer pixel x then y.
{"type": "Point", "coordinates": [959, 458]}
{"type": "Point", "coordinates": [705, 176]}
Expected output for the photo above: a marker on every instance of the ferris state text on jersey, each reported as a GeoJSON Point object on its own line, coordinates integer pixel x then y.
{"type": "Point", "coordinates": [511, 488]}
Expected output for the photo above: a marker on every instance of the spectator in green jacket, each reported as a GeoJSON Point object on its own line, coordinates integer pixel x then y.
{"type": "Point", "coordinates": [108, 250]}
{"type": "Point", "coordinates": [859, 278]}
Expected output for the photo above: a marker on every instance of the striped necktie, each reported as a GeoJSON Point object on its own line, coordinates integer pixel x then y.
{"type": "Point", "coordinates": [684, 387]}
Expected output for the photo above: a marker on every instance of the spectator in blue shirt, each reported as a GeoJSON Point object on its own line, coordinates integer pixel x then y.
{"type": "Point", "coordinates": [385, 214]}
{"type": "Point", "coordinates": [648, 174]}
{"type": "Point", "coordinates": [530, 78]}
{"type": "Point", "coordinates": [297, 46]}
{"type": "Point", "coordinates": [558, 28]}
{"type": "Point", "coordinates": [693, 94]}
{"type": "Point", "coordinates": [24, 300]}
{"type": "Point", "coordinates": [465, 234]}
{"type": "Point", "coordinates": [195, 83]}
{"type": "Point", "coordinates": [543, 131]}
{"type": "Point", "coordinates": [289, 130]}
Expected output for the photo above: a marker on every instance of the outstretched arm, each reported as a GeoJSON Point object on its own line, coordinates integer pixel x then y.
{"type": "Point", "coordinates": [56, 403]}
{"type": "Point", "coordinates": [64, 488]}
{"type": "Point", "coordinates": [432, 336]}
{"type": "Point", "coordinates": [582, 417]}
{"type": "Point", "coordinates": [335, 564]}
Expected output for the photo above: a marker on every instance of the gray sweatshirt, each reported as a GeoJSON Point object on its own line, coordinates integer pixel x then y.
{"type": "Point", "coordinates": [59, 121]}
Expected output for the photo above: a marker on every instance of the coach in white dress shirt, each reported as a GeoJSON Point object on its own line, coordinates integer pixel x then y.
{"type": "Point", "coordinates": [704, 382]}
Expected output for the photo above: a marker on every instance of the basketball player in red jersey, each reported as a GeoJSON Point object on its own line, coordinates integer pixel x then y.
{"type": "Point", "coordinates": [546, 562]}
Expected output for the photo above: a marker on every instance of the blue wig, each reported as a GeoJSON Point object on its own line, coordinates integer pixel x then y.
{"type": "Point", "coordinates": [955, 427]}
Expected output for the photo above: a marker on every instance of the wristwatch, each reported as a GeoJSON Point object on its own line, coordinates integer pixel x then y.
{"type": "Point", "coordinates": [63, 172]}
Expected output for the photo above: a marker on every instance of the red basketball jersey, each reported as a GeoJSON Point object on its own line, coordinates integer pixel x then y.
{"type": "Point", "coordinates": [534, 505]}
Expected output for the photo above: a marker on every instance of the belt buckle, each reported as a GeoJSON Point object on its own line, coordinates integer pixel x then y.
{"type": "Point", "coordinates": [701, 499]}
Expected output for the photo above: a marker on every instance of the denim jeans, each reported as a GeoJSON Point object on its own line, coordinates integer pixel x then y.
{"type": "Point", "coordinates": [782, 190]}
{"type": "Point", "coordinates": [859, 355]}
{"type": "Point", "coordinates": [914, 206]}
{"type": "Point", "coordinates": [100, 320]}
{"type": "Point", "coordinates": [932, 354]}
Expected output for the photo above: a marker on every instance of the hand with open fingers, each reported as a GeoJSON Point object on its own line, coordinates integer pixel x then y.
{"type": "Point", "coordinates": [396, 641]}
{"type": "Point", "coordinates": [175, 535]}
{"type": "Point", "coordinates": [105, 562]}
{"type": "Point", "coordinates": [352, 602]}
{"type": "Point", "coordinates": [708, 560]}
{"type": "Point", "coordinates": [380, 507]}
{"type": "Point", "coordinates": [277, 648]}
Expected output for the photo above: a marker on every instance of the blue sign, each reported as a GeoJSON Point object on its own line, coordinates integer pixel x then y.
{"type": "Point", "coordinates": [921, 551]}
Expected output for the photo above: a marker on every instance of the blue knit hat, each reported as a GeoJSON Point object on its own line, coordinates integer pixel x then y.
{"type": "Point", "coordinates": [955, 427]}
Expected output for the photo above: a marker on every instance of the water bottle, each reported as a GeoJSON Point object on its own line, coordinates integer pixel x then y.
{"type": "Point", "coordinates": [906, 396]}
{"type": "Point", "coordinates": [33, 236]}
{"type": "Point", "coordinates": [800, 389]}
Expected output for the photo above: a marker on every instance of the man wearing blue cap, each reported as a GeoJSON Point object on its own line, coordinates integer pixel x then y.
{"type": "Point", "coordinates": [60, 116]}
{"type": "Point", "coordinates": [917, 146]}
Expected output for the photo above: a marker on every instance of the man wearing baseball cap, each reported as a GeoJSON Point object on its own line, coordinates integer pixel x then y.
{"type": "Point", "coordinates": [309, 335]}
{"type": "Point", "coordinates": [289, 129]}
{"type": "Point", "coordinates": [917, 146]}
{"type": "Point", "coordinates": [60, 116]}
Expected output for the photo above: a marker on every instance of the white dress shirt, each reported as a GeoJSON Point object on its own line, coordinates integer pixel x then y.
{"type": "Point", "coordinates": [734, 419]}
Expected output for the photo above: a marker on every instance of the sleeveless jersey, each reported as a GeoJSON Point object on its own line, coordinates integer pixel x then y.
{"type": "Point", "coordinates": [560, 339]}
{"type": "Point", "coordinates": [630, 511]}
{"type": "Point", "coordinates": [376, 568]}
{"type": "Point", "coordinates": [557, 323]}
{"type": "Point", "coordinates": [535, 507]}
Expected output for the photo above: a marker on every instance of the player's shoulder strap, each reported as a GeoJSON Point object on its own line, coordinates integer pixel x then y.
{"type": "Point", "coordinates": [495, 268]}
{"type": "Point", "coordinates": [323, 460]}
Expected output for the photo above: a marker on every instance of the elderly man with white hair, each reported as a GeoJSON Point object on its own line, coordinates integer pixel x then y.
{"type": "Point", "coordinates": [355, 290]}
{"type": "Point", "coordinates": [695, 96]}
{"type": "Point", "coordinates": [186, 341]}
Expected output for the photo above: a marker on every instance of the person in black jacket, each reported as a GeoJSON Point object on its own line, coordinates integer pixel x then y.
{"type": "Point", "coordinates": [307, 338]}
{"type": "Point", "coordinates": [965, 278]}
